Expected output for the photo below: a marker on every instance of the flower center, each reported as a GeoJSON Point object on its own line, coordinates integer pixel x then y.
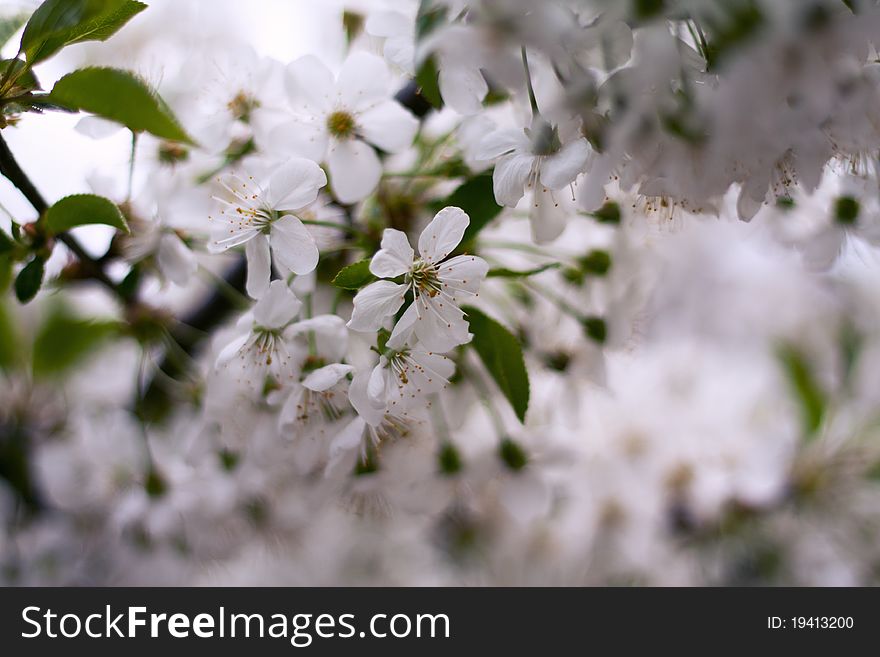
{"type": "Point", "coordinates": [241, 106]}
{"type": "Point", "coordinates": [424, 278]}
{"type": "Point", "coordinates": [341, 124]}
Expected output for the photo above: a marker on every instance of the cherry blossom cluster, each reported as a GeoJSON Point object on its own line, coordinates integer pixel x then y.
{"type": "Point", "coordinates": [466, 292]}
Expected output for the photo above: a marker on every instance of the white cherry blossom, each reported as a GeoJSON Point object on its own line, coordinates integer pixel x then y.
{"type": "Point", "coordinates": [340, 119]}
{"type": "Point", "coordinates": [262, 216]}
{"type": "Point", "coordinates": [534, 160]}
{"type": "Point", "coordinates": [261, 350]}
{"type": "Point", "coordinates": [438, 285]}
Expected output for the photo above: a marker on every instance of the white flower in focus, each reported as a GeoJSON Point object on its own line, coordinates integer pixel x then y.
{"type": "Point", "coordinates": [437, 285]}
{"type": "Point", "coordinates": [407, 376]}
{"type": "Point", "coordinates": [535, 160]}
{"type": "Point", "coordinates": [339, 120]}
{"type": "Point", "coordinates": [261, 217]}
{"type": "Point", "coordinates": [261, 349]}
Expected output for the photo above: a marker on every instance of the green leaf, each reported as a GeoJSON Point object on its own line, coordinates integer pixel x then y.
{"type": "Point", "coordinates": [5, 272]}
{"type": "Point", "coordinates": [82, 209]}
{"type": "Point", "coordinates": [503, 272]}
{"type": "Point", "coordinates": [29, 280]}
{"type": "Point", "coordinates": [119, 96]}
{"type": "Point", "coordinates": [355, 276]}
{"type": "Point", "coordinates": [806, 390]}
{"type": "Point", "coordinates": [59, 23]}
{"type": "Point", "coordinates": [502, 355]}
{"type": "Point", "coordinates": [64, 340]}
{"type": "Point", "coordinates": [6, 243]}
{"type": "Point", "coordinates": [18, 76]}
{"type": "Point", "coordinates": [427, 79]}
{"type": "Point", "coordinates": [10, 350]}
{"type": "Point", "coordinates": [476, 197]}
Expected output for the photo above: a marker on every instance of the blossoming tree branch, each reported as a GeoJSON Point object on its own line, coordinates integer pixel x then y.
{"type": "Point", "coordinates": [483, 292]}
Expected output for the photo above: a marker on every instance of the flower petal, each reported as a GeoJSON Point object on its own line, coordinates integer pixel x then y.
{"type": "Point", "coordinates": [293, 245]}
{"type": "Point", "coordinates": [295, 184]}
{"type": "Point", "coordinates": [547, 217]}
{"type": "Point", "coordinates": [443, 234]}
{"type": "Point", "coordinates": [359, 396]}
{"type": "Point", "coordinates": [259, 266]}
{"type": "Point", "coordinates": [374, 303]}
{"type": "Point", "coordinates": [310, 85]}
{"type": "Point", "coordinates": [355, 170]}
{"type": "Point", "coordinates": [403, 331]}
{"type": "Point", "coordinates": [389, 126]}
{"type": "Point", "coordinates": [307, 138]}
{"type": "Point", "coordinates": [463, 88]}
{"type": "Point", "coordinates": [363, 80]}
{"type": "Point", "coordinates": [387, 23]}
{"type": "Point", "coordinates": [441, 325]}
{"type": "Point", "coordinates": [227, 234]}
{"type": "Point", "coordinates": [326, 377]}
{"type": "Point", "coordinates": [464, 272]}
{"type": "Point", "coordinates": [510, 177]}
{"type": "Point", "coordinates": [277, 307]}
{"type": "Point", "coordinates": [395, 257]}
{"type": "Point", "coordinates": [175, 260]}
{"type": "Point", "coordinates": [561, 168]}
{"type": "Point", "coordinates": [501, 142]}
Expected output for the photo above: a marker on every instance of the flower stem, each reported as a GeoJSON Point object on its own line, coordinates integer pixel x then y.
{"type": "Point", "coordinates": [532, 100]}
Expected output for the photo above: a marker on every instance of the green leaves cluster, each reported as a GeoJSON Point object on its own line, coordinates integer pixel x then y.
{"type": "Point", "coordinates": [116, 95]}
{"type": "Point", "coordinates": [113, 94]}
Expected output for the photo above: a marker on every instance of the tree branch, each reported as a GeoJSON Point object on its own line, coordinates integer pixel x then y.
{"type": "Point", "coordinates": [10, 168]}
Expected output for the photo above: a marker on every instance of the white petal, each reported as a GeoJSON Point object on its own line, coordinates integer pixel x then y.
{"type": "Point", "coordinates": [463, 88]}
{"type": "Point", "coordinates": [231, 350]}
{"type": "Point", "coordinates": [293, 245]}
{"type": "Point", "coordinates": [395, 257]}
{"type": "Point", "coordinates": [259, 268]}
{"type": "Point", "coordinates": [548, 218]}
{"type": "Point", "coordinates": [404, 330]}
{"type": "Point", "coordinates": [175, 260]}
{"type": "Point", "coordinates": [326, 377]}
{"type": "Point", "coordinates": [329, 332]}
{"type": "Point", "coordinates": [441, 325]}
{"type": "Point", "coordinates": [295, 184]}
{"type": "Point", "coordinates": [561, 168]}
{"type": "Point", "coordinates": [501, 142]}
{"type": "Point", "coordinates": [464, 272]}
{"type": "Point", "coordinates": [355, 170]}
{"type": "Point", "coordinates": [377, 386]}
{"type": "Point", "coordinates": [310, 84]}
{"type": "Point", "coordinates": [363, 80]}
{"type": "Point", "coordinates": [97, 128]}
{"type": "Point", "coordinates": [358, 395]}
{"type": "Point", "coordinates": [346, 440]}
{"type": "Point", "coordinates": [307, 138]}
{"type": "Point", "coordinates": [389, 24]}
{"type": "Point", "coordinates": [277, 307]}
{"type": "Point", "coordinates": [443, 234]}
{"type": "Point", "coordinates": [389, 126]}
{"type": "Point", "coordinates": [401, 52]}
{"type": "Point", "coordinates": [510, 177]}
{"type": "Point", "coordinates": [226, 235]}
{"type": "Point", "coordinates": [374, 303]}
